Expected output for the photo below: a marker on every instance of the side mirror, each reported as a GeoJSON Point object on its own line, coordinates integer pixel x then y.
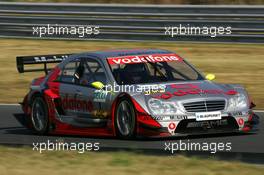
{"type": "Point", "coordinates": [210, 77]}
{"type": "Point", "coordinates": [97, 85]}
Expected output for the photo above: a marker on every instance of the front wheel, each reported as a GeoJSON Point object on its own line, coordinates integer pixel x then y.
{"type": "Point", "coordinates": [39, 116]}
{"type": "Point", "coordinates": [125, 119]}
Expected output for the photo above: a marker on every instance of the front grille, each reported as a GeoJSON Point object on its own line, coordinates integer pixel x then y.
{"type": "Point", "coordinates": [205, 106]}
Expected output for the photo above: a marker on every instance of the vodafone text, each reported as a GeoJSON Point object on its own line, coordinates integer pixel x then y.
{"type": "Point", "coordinates": [144, 59]}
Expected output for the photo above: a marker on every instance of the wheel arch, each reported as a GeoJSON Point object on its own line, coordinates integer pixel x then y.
{"type": "Point", "coordinates": [45, 108]}
{"type": "Point", "coordinates": [138, 110]}
{"type": "Point", "coordinates": [33, 96]}
{"type": "Point", "coordinates": [114, 105]}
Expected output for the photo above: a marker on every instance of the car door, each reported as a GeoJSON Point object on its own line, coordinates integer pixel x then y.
{"type": "Point", "coordinates": [80, 101]}
{"type": "Point", "coordinates": [94, 72]}
{"type": "Point", "coordinates": [74, 105]}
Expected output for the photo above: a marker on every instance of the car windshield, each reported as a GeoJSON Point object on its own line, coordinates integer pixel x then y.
{"type": "Point", "coordinates": [151, 69]}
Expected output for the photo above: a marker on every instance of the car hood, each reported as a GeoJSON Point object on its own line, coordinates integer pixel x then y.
{"type": "Point", "coordinates": [188, 91]}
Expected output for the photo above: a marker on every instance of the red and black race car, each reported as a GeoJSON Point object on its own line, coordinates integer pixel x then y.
{"type": "Point", "coordinates": [126, 93]}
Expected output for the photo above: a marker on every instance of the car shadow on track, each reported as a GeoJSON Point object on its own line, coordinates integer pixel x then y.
{"type": "Point", "coordinates": [201, 136]}
{"type": "Point", "coordinates": [17, 131]}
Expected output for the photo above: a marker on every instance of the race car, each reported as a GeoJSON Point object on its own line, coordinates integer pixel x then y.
{"type": "Point", "coordinates": [128, 93]}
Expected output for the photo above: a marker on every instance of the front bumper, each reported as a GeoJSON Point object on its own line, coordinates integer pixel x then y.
{"type": "Point", "coordinates": [187, 127]}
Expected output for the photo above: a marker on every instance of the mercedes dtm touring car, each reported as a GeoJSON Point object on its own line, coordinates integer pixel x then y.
{"type": "Point", "coordinates": [127, 93]}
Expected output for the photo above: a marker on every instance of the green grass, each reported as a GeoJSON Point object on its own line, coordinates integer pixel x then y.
{"type": "Point", "coordinates": [24, 161]}
{"type": "Point", "coordinates": [232, 63]}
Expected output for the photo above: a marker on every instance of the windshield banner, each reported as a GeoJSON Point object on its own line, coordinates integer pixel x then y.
{"type": "Point", "coordinates": [144, 59]}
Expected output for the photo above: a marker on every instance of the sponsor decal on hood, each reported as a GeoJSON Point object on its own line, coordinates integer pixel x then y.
{"type": "Point", "coordinates": [191, 89]}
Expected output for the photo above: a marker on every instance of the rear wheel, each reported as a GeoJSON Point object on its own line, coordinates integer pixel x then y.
{"type": "Point", "coordinates": [39, 116]}
{"type": "Point", "coordinates": [125, 119]}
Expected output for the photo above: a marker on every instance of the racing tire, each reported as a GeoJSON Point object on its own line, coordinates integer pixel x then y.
{"type": "Point", "coordinates": [125, 119]}
{"type": "Point", "coordinates": [39, 116]}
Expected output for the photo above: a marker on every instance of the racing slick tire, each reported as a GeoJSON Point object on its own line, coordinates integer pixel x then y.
{"type": "Point", "coordinates": [125, 119]}
{"type": "Point", "coordinates": [39, 116]}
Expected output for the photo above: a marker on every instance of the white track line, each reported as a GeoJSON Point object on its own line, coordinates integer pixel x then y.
{"type": "Point", "coordinates": [9, 104]}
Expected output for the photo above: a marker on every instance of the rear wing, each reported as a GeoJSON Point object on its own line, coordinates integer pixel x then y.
{"type": "Point", "coordinates": [39, 59]}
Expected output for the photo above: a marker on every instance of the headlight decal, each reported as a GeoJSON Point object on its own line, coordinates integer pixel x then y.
{"type": "Point", "coordinates": [239, 101]}
{"type": "Point", "coordinates": [158, 107]}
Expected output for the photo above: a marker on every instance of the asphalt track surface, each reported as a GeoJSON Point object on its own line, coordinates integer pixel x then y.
{"type": "Point", "coordinates": [244, 146]}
